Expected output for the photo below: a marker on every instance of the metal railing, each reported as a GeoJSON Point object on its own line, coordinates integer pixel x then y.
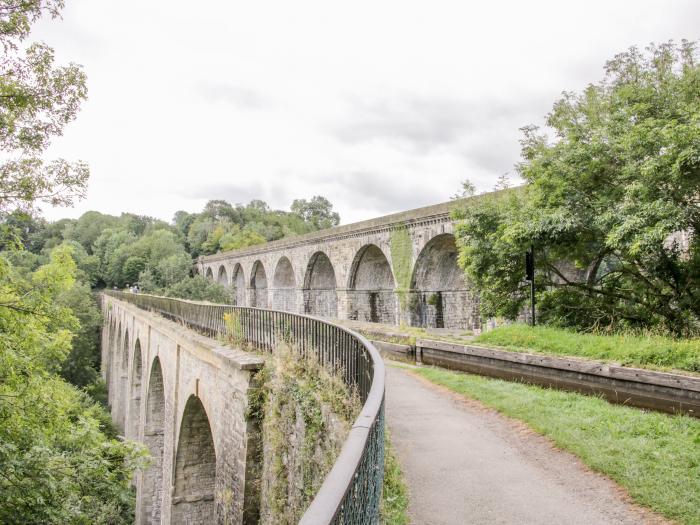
{"type": "Point", "coordinates": [351, 492]}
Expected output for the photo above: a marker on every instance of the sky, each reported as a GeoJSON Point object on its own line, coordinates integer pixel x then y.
{"type": "Point", "coordinates": [380, 106]}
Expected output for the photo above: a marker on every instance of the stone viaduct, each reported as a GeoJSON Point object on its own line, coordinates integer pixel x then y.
{"type": "Point", "coordinates": [401, 268]}
{"type": "Point", "coordinates": [185, 397]}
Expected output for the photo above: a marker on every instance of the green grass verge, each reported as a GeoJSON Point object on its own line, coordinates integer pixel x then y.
{"type": "Point", "coordinates": [649, 351]}
{"type": "Point", "coordinates": [394, 507]}
{"type": "Point", "coordinates": [655, 456]}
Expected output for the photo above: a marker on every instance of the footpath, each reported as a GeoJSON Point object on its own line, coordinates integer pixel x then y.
{"type": "Point", "coordinates": [466, 464]}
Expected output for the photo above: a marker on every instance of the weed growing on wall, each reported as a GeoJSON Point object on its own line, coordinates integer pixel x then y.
{"type": "Point", "coordinates": [233, 330]}
{"type": "Point", "coordinates": [305, 413]}
{"type": "Point", "coordinates": [402, 261]}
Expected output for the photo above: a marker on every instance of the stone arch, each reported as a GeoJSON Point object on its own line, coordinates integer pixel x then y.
{"type": "Point", "coordinates": [154, 435]}
{"type": "Point", "coordinates": [371, 287]}
{"type": "Point", "coordinates": [222, 276]}
{"type": "Point", "coordinates": [258, 286]}
{"type": "Point", "coordinates": [195, 468]}
{"type": "Point", "coordinates": [284, 286]}
{"type": "Point", "coordinates": [439, 297]}
{"type": "Point", "coordinates": [124, 383]}
{"type": "Point", "coordinates": [209, 274]}
{"type": "Point", "coordinates": [320, 287]}
{"type": "Point", "coordinates": [132, 429]}
{"type": "Point", "coordinates": [238, 282]}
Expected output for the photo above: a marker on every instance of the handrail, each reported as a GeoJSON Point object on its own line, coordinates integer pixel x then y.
{"type": "Point", "coordinates": [351, 491]}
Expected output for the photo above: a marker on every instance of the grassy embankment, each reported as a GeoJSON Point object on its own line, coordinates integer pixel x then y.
{"type": "Point", "coordinates": [648, 351]}
{"type": "Point", "coordinates": [655, 456]}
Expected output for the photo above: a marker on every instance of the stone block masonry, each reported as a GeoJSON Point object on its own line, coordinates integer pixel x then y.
{"type": "Point", "coordinates": [185, 397]}
{"type": "Point", "coordinates": [397, 269]}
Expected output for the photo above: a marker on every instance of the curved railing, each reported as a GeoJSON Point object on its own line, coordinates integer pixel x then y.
{"type": "Point", "coordinates": [352, 490]}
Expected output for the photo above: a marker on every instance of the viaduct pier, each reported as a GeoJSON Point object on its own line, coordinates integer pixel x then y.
{"type": "Point", "coordinates": [401, 268]}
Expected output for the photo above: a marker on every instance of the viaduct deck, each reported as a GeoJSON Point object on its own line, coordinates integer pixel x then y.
{"type": "Point", "coordinates": [401, 268]}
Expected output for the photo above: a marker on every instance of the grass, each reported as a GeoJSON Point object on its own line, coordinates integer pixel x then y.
{"type": "Point", "coordinates": [394, 507]}
{"type": "Point", "coordinates": [647, 351]}
{"type": "Point", "coordinates": [655, 456]}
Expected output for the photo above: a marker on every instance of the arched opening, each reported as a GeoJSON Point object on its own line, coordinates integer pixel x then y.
{"type": "Point", "coordinates": [320, 294]}
{"type": "Point", "coordinates": [123, 384]}
{"type": "Point", "coordinates": [238, 286]}
{"type": "Point", "coordinates": [153, 437]}
{"type": "Point", "coordinates": [258, 286]}
{"type": "Point", "coordinates": [209, 274]}
{"type": "Point", "coordinates": [284, 287]}
{"type": "Point", "coordinates": [371, 295]}
{"type": "Point", "coordinates": [222, 276]}
{"type": "Point", "coordinates": [440, 297]}
{"type": "Point", "coordinates": [195, 468]}
{"type": "Point", "coordinates": [132, 430]}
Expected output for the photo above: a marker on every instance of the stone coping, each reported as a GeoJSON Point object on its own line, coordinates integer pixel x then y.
{"type": "Point", "coordinates": [439, 211]}
{"type": "Point", "coordinates": [580, 365]}
{"type": "Point", "coordinates": [234, 357]}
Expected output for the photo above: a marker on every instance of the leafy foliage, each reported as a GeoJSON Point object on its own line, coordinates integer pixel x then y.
{"type": "Point", "coordinates": [318, 211]}
{"type": "Point", "coordinates": [37, 100]}
{"type": "Point", "coordinates": [199, 288]}
{"type": "Point", "coordinates": [60, 462]}
{"type": "Point", "coordinates": [612, 205]}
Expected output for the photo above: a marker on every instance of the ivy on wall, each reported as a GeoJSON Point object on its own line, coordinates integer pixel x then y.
{"type": "Point", "coordinates": [402, 262]}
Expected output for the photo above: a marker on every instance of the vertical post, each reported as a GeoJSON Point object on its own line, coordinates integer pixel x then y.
{"type": "Point", "coordinates": [530, 271]}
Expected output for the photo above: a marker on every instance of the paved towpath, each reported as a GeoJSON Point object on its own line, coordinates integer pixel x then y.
{"type": "Point", "coordinates": [466, 464]}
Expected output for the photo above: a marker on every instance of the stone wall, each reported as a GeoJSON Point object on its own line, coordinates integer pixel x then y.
{"type": "Point", "coordinates": [185, 397]}
{"type": "Point", "coordinates": [349, 272]}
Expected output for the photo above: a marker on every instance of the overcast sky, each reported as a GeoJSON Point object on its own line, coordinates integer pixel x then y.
{"type": "Point", "coordinates": [379, 105]}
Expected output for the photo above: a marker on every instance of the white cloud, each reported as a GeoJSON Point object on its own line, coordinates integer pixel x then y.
{"type": "Point", "coordinates": [379, 106]}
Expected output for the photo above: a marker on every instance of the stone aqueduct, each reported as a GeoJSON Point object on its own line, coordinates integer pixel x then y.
{"type": "Point", "coordinates": [401, 268]}
{"type": "Point", "coordinates": [185, 397]}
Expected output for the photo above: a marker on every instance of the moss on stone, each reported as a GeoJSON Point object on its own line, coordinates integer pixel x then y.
{"type": "Point", "coordinates": [402, 262]}
{"type": "Point", "coordinates": [305, 413]}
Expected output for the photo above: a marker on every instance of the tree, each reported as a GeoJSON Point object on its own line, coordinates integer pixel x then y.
{"type": "Point", "coordinates": [37, 100]}
{"type": "Point", "coordinates": [240, 239]}
{"type": "Point", "coordinates": [612, 205]}
{"type": "Point", "coordinates": [199, 288]}
{"type": "Point", "coordinates": [318, 211]}
{"type": "Point", "coordinates": [60, 461]}
{"type": "Point", "coordinates": [59, 458]}
{"type": "Point", "coordinates": [468, 190]}
{"type": "Point", "coordinates": [90, 226]}
{"type": "Point", "coordinates": [81, 365]}
{"type": "Point", "coordinates": [220, 210]}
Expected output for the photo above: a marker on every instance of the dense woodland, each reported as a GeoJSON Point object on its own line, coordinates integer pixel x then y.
{"type": "Point", "coordinates": [611, 207]}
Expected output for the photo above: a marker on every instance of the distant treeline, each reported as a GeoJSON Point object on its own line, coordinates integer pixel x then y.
{"type": "Point", "coordinates": [117, 251]}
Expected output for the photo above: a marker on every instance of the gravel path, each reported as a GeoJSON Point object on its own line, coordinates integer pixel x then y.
{"type": "Point", "coordinates": [466, 464]}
